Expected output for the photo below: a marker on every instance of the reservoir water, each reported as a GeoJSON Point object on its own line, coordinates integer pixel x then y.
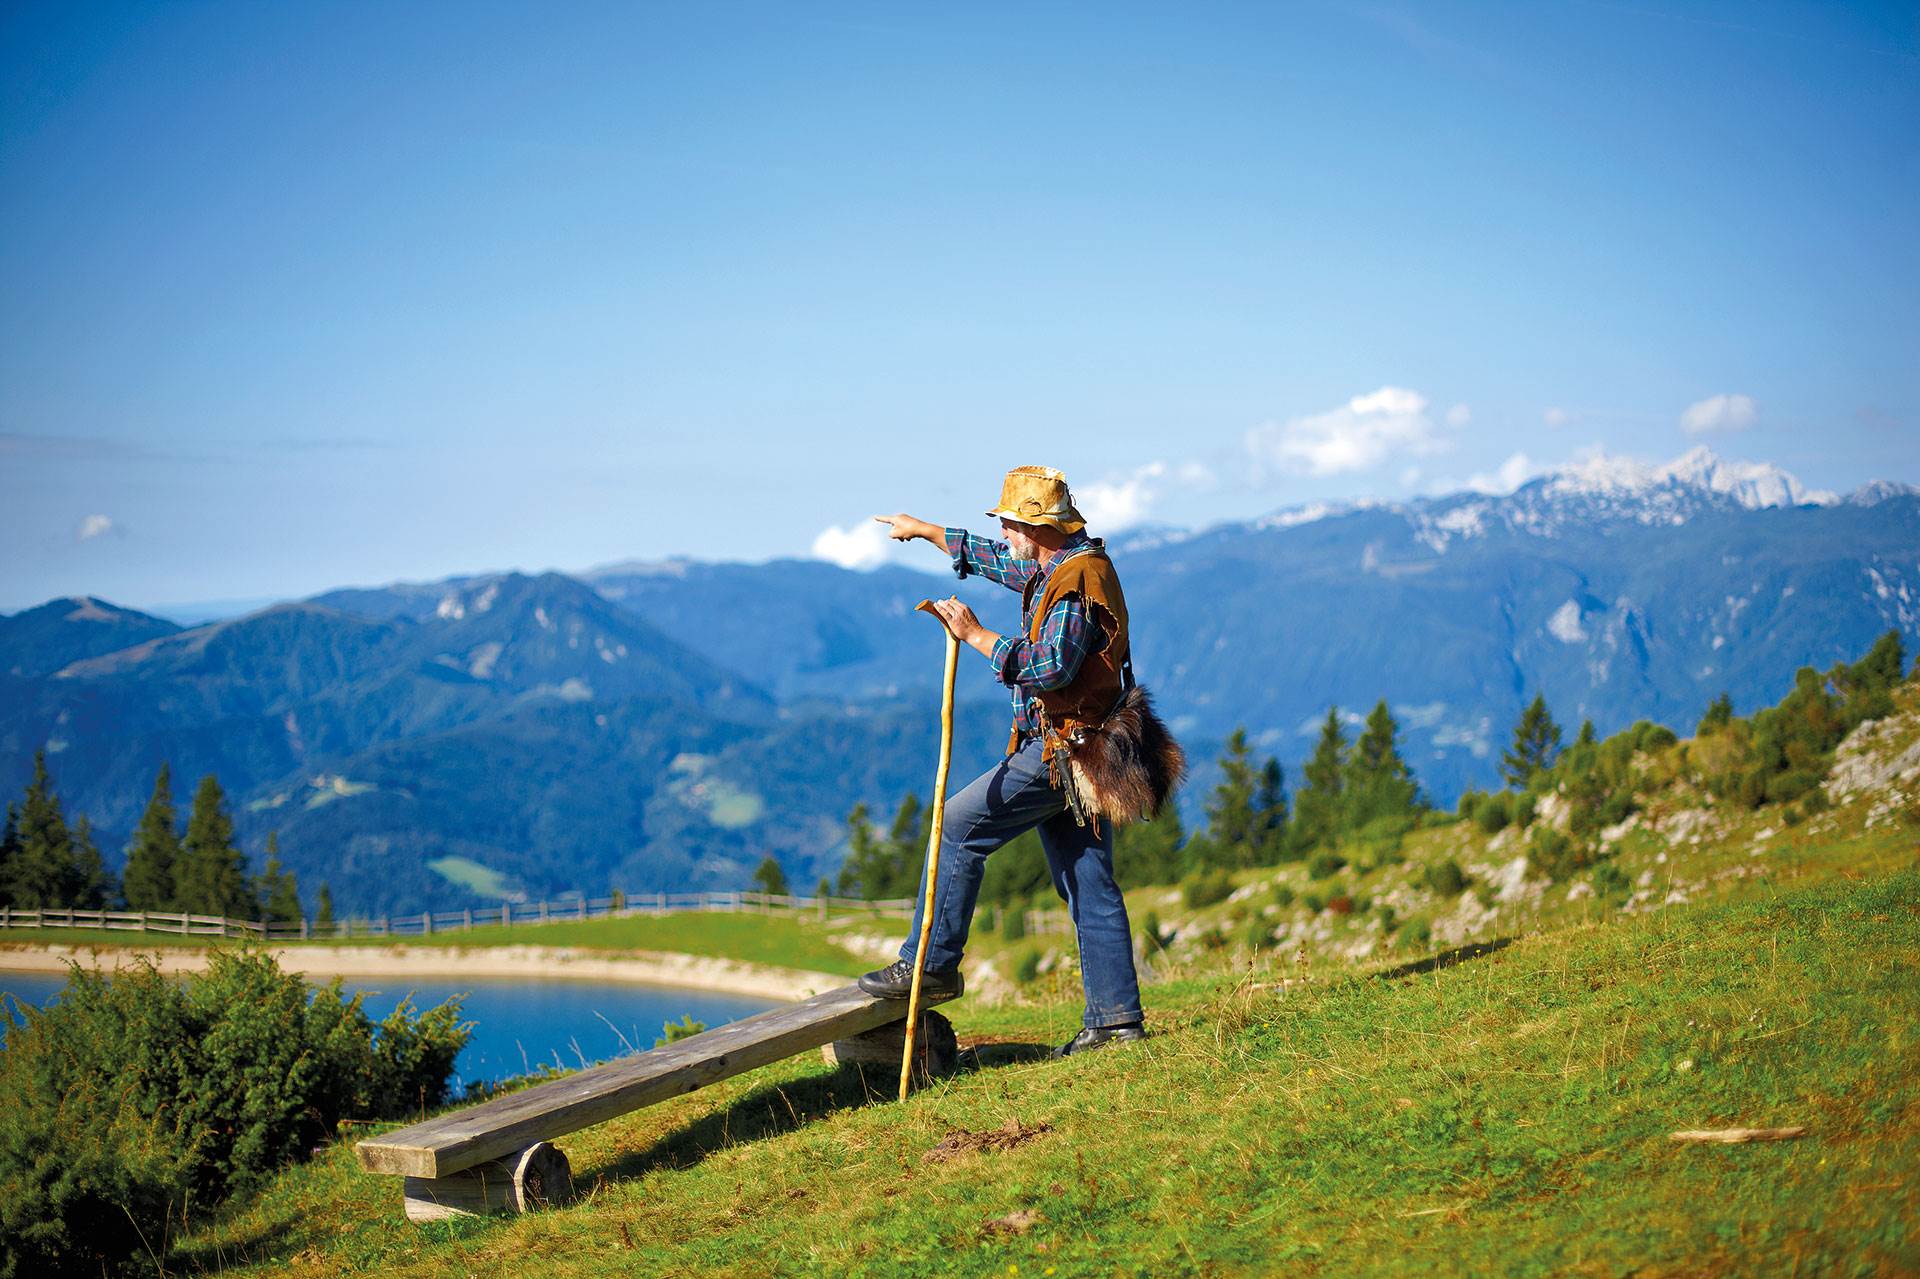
{"type": "Point", "coordinates": [518, 1025]}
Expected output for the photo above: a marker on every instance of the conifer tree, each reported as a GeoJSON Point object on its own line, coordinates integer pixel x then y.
{"type": "Point", "coordinates": [768, 878]}
{"type": "Point", "coordinates": [1587, 736]}
{"type": "Point", "coordinates": [1317, 807]}
{"type": "Point", "coordinates": [1536, 743]}
{"type": "Point", "coordinates": [1150, 852]}
{"type": "Point", "coordinates": [1719, 715]}
{"type": "Point", "coordinates": [155, 851]}
{"type": "Point", "coordinates": [1270, 812]}
{"type": "Point", "coordinates": [1378, 782]}
{"type": "Point", "coordinates": [323, 907]}
{"type": "Point", "coordinates": [211, 878]}
{"type": "Point", "coordinates": [279, 891]}
{"type": "Point", "coordinates": [92, 886]}
{"type": "Point", "coordinates": [823, 888]}
{"type": "Point", "coordinates": [9, 854]}
{"type": "Point", "coordinates": [1232, 836]}
{"type": "Point", "coordinates": [42, 870]}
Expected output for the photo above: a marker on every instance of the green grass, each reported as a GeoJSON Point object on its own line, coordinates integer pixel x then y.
{"type": "Point", "coordinates": [1505, 1115]}
{"type": "Point", "coordinates": [786, 941]}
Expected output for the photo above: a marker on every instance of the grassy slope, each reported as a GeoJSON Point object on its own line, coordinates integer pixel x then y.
{"type": "Point", "coordinates": [1508, 1114]}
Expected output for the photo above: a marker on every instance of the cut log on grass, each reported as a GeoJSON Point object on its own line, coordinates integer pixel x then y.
{"type": "Point", "coordinates": [537, 1177]}
{"type": "Point", "coordinates": [1732, 1136]}
{"type": "Point", "coordinates": [936, 1051]}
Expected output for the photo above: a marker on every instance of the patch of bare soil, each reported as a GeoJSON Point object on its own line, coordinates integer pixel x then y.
{"type": "Point", "coordinates": [961, 1142]}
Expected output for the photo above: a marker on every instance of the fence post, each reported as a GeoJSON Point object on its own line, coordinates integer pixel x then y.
{"type": "Point", "coordinates": [466, 918]}
{"type": "Point", "coordinates": [304, 933]}
{"type": "Point", "coordinates": [543, 910]}
{"type": "Point", "coordinates": [660, 903]}
{"type": "Point", "coordinates": [426, 923]}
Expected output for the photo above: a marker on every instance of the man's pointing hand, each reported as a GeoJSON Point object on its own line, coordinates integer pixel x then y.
{"type": "Point", "coordinates": [904, 528]}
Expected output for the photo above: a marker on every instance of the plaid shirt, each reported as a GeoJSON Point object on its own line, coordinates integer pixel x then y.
{"type": "Point", "coordinates": [1067, 634]}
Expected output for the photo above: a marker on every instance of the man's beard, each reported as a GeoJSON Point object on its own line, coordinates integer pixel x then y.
{"type": "Point", "coordinates": [1022, 549]}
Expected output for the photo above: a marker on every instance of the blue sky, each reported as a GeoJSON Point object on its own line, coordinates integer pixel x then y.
{"type": "Point", "coordinates": [298, 296]}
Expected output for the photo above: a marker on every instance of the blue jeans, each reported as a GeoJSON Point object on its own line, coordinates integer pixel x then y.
{"type": "Point", "coordinates": [1008, 800]}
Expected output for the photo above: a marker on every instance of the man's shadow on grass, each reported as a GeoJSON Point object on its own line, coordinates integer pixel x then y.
{"type": "Point", "coordinates": [773, 1109]}
{"type": "Point", "coordinates": [1445, 959]}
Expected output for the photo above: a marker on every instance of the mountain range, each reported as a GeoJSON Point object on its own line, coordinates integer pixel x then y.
{"type": "Point", "coordinates": [664, 725]}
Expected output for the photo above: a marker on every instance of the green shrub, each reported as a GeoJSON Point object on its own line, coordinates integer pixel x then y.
{"type": "Point", "coordinates": [1027, 967]}
{"type": "Point", "coordinates": [1150, 932]}
{"type": "Point", "coordinates": [1416, 933]}
{"type": "Point", "coordinates": [1283, 895]}
{"type": "Point", "coordinates": [1205, 887]}
{"type": "Point", "coordinates": [1786, 787]}
{"type": "Point", "coordinates": [1492, 814]}
{"type": "Point", "coordinates": [1325, 863]}
{"type": "Point", "coordinates": [1387, 921]}
{"type": "Point", "coordinates": [133, 1101]}
{"type": "Point", "coordinates": [1523, 806]}
{"type": "Point", "coordinates": [1609, 881]}
{"type": "Point", "coordinates": [1013, 923]}
{"type": "Point", "coordinates": [1816, 802]}
{"type": "Point", "coordinates": [1257, 934]}
{"type": "Point", "coordinates": [1556, 857]}
{"type": "Point", "coordinates": [1314, 903]}
{"type": "Point", "coordinates": [1446, 878]}
{"type": "Point", "coordinates": [674, 1031]}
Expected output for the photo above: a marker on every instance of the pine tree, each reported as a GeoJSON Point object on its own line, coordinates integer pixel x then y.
{"type": "Point", "coordinates": [1149, 852]}
{"type": "Point", "coordinates": [1270, 812]}
{"type": "Point", "coordinates": [211, 875]}
{"type": "Point", "coordinates": [768, 878]}
{"type": "Point", "coordinates": [155, 851]}
{"type": "Point", "coordinates": [1317, 807]}
{"type": "Point", "coordinates": [1719, 715]}
{"type": "Point", "coordinates": [823, 888]}
{"type": "Point", "coordinates": [93, 888]}
{"type": "Point", "coordinates": [1587, 736]}
{"type": "Point", "coordinates": [1536, 743]}
{"type": "Point", "coordinates": [1232, 839]}
{"type": "Point", "coordinates": [323, 907]}
{"type": "Point", "coordinates": [9, 854]}
{"type": "Point", "coordinates": [1378, 782]}
{"type": "Point", "coordinates": [278, 890]}
{"type": "Point", "coordinates": [42, 870]}
{"type": "Point", "coordinates": [878, 868]}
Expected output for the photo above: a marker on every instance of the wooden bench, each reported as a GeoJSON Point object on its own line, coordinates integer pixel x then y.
{"type": "Point", "coordinates": [498, 1157]}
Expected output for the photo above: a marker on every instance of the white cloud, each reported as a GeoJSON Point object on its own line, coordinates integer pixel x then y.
{"type": "Point", "coordinates": [861, 546]}
{"type": "Point", "coordinates": [1720, 413]}
{"type": "Point", "coordinates": [93, 526]}
{"type": "Point", "coordinates": [1508, 476]}
{"type": "Point", "coordinates": [1555, 416]}
{"type": "Point", "coordinates": [1367, 430]}
{"type": "Point", "coordinates": [1565, 625]}
{"type": "Point", "coordinates": [1458, 416]}
{"type": "Point", "coordinates": [1116, 503]}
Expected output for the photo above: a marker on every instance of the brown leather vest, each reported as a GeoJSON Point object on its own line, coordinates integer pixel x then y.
{"type": "Point", "coordinates": [1094, 691]}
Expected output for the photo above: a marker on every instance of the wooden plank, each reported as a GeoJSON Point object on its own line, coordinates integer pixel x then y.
{"type": "Point", "coordinates": [446, 1145]}
{"type": "Point", "coordinates": [1734, 1136]}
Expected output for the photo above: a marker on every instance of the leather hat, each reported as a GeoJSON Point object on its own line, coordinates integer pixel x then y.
{"type": "Point", "coordinates": [1038, 495]}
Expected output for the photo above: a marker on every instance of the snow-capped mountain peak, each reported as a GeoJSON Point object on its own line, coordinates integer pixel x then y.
{"type": "Point", "coordinates": [1754, 485]}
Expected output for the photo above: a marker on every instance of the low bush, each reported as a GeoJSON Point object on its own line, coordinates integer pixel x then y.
{"type": "Point", "coordinates": [1609, 881]}
{"type": "Point", "coordinates": [1013, 923]}
{"type": "Point", "coordinates": [672, 1032]}
{"type": "Point", "coordinates": [1491, 814]}
{"type": "Point", "coordinates": [138, 1100]}
{"type": "Point", "coordinates": [1446, 878]}
{"type": "Point", "coordinates": [1553, 856]}
{"type": "Point", "coordinates": [1283, 895]}
{"type": "Point", "coordinates": [1027, 967]}
{"type": "Point", "coordinates": [1205, 887]}
{"type": "Point", "coordinates": [1324, 863]}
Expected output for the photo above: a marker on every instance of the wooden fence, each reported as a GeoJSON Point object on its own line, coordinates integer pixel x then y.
{"type": "Point", "coordinates": [428, 922]}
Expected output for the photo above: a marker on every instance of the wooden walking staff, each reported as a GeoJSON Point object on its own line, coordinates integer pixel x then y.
{"type": "Point", "coordinates": [933, 844]}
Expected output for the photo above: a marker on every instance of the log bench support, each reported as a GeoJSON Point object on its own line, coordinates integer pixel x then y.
{"type": "Point", "coordinates": [936, 1051]}
{"type": "Point", "coordinates": [537, 1177]}
{"type": "Point", "coordinates": [498, 1157]}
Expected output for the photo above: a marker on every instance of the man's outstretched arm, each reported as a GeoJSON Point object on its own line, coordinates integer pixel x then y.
{"type": "Point", "coordinates": [970, 552]}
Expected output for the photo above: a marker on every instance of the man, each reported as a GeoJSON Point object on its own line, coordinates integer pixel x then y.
{"type": "Point", "coordinates": [1069, 665]}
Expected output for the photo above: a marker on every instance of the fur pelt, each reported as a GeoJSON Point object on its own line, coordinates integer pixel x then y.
{"type": "Point", "coordinates": [1126, 769]}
